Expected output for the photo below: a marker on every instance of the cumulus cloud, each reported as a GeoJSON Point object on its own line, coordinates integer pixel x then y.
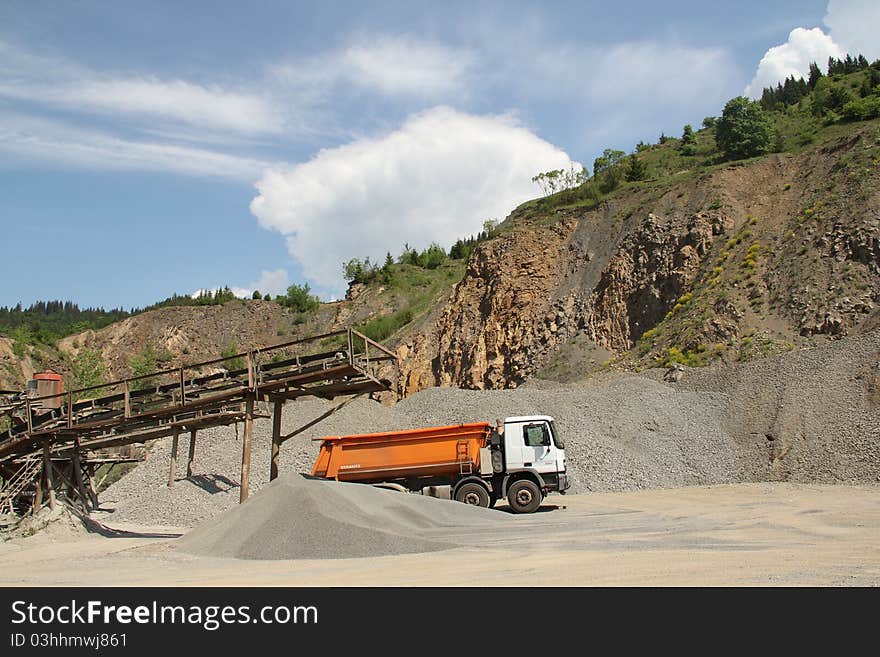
{"type": "Point", "coordinates": [855, 25]}
{"type": "Point", "coordinates": [793, 58]}
{"type": "Point", "coordinates": [437, 178]}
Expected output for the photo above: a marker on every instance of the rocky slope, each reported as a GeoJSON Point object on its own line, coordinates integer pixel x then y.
{"type": "Point", "coordinates": [722, 263]}
{"type": "Point", "coordinates": [744, 261]}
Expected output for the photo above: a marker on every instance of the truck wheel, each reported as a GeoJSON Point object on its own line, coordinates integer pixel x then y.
{"type": "Point", "coordinates": [472, 493]}
{"type": "Point", "coordinates": [524, 496]}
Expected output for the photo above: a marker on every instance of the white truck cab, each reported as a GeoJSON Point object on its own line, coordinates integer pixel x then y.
{"type": "Point", "coordinates": [531, 455]}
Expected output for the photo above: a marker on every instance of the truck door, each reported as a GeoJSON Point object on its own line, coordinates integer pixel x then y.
{"type": "Point", "coordinates": [538, 451]}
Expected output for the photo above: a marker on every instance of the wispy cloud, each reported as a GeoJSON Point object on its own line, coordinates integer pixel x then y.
{"type": "Point", "coordinates": [392, 65]}
{"type": "Point", "coordinates": [57, 83]}
{"type": "Point", "coordinates": [855, 25]}
{"type": "Point", "coordinates": [58, 143]}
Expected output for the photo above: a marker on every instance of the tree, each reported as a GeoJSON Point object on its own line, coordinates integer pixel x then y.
{"type": "Point", "coordinates": [830, 96]}
{"type": "Point", "coordinates": [359, 271]}
{"type": "Point", "coordinates": [300, 299]}
{"type": "Point", "coordinates": [559, 180]}
{"type": "Point", "coordinates": [143, 363]}
{"type": "Point", "coordinates": [548, 181]}
{"type": "Point", "coordinates": [744, 129]}
{"type": "Point", "coordinates": [636, 169]}
{"type": "Point", "coordinates": [688, 141]}
{"type": "Point", "coordinates": [256, 295]}
{"type": "Point", "coordinates": [815, 74]}
{"type": "Point", "coordinates": [605, 169]}
{"type": "Point", "coordinates": [88, 370]}
{"type": "Point", "coordinates": [434, 256]}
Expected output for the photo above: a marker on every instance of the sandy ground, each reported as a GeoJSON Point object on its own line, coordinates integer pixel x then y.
{"type": "Point", "coordinates": [739, 535]}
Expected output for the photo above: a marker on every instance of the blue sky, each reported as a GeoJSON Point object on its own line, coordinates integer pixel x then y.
{"type": "Point", "coordinates": [157, 147]}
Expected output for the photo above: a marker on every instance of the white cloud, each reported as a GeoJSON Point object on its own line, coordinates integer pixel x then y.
{"type": "Point", "coordinates": [61, 144]}
{"type": "Point", "coordinates": [437, 178]}
{"type": "Point", "coordinates": [853, 28]}
{"type": "Point", "coordinates": [402, 65]}
{"type": "Point", "coordinates": [62, 84]}
{"type": "Point", "coordinates": [662, 72]}
{"type": "Point", "coordinates": [609, 95]}
{"type": "Point", "coordinates": [855, 25]}
{"type": "Point", "coordinates": [793, 58]}
{"type": "Point", "coordinates": [212, 107]}
{"type": "Point", "coordinates": [385, 64]}
{"type": "Point", "coordinates": [270, 282]}
{"type": "Point", "coordinates": [273, 282]}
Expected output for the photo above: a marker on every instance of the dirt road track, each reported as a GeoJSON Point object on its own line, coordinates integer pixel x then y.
{"type": "Point", "coordinates": [740, 534]}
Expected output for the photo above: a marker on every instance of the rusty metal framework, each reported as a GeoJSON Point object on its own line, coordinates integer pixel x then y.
{"type": "Point", "coordinates": [54, 440]}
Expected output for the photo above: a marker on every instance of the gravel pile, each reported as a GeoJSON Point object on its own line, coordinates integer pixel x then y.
{"type": "Point", "coordinates": [809, 416]}
{"type": "Point", "coordinates": [298, 518]}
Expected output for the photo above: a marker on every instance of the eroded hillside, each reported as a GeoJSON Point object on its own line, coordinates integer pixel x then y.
{"type": "Point", "coordinates": [745, 260]}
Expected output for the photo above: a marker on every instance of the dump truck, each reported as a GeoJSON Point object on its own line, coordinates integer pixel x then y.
{"type": "Point", "coordinates": [522, 460]}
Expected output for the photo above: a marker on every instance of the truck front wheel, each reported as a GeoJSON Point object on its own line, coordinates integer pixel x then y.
{"type": "Point", "coordinates": [472, 493]}
{"type": "Point", "coordinates": [524, 496]}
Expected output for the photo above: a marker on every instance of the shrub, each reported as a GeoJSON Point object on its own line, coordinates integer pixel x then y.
{"type": "Point", "coordinates": [381, 327]}
{"type": "Point", "coordinates": [236, 363]}
{"type": "Point", "coordinates": [88, 370]}
{"type": "Point", "coordinates": [143, 363]}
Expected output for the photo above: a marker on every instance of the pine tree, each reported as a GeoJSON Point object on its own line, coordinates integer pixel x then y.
{"type": "Point", "coordinates": [636, 169]}
{"type": "Point", "coordinates": [815, 74]}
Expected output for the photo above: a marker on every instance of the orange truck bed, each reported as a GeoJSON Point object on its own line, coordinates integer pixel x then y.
{"type": "Point", "coordinates": [375, 457]}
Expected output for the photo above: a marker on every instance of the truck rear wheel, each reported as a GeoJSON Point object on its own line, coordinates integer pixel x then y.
{"type": "Point", "coordinates": [472, 493]}
{"type": "Point", "coordinates": [524, 496]}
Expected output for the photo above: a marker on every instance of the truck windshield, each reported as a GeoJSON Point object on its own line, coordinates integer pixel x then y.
{"type": "Point", "coordinates": [557, 437]}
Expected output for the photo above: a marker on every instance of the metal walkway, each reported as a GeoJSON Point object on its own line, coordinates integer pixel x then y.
{"type": "Point", "coordinates": [63, 432]}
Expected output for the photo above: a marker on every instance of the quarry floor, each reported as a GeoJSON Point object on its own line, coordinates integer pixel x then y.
{"type": "Point", "coordinates": [767, 534]}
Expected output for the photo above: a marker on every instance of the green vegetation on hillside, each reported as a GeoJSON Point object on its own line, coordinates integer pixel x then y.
{"type": "Point", "coordinates": [788, 118]}
{"type": "Point", "coordinates": [47, 321]}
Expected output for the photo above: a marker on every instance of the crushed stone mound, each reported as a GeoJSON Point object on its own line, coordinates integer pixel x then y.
{"type": "Point", "coordinates": [295, 517]}
{"type": "Point", "coordinates": [810, 416]}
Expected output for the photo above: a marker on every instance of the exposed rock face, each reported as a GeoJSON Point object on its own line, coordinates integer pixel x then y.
{"type": "Point", "coordinates": [13, 369]}
{"type": "Point", "coordinates": [711, 262]}
{"type": "Point", "coordinates": [653, 267]}
{"type": "Point", "coordinates": [504, 309]}
{"type": "Point", "coordinates": [529, 291]}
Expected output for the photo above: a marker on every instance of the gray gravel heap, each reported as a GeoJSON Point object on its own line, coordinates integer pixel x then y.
{"type": "Point", "coordinates": [808, 416]}
{"type": "Point", "coordinates": [298, 518]}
